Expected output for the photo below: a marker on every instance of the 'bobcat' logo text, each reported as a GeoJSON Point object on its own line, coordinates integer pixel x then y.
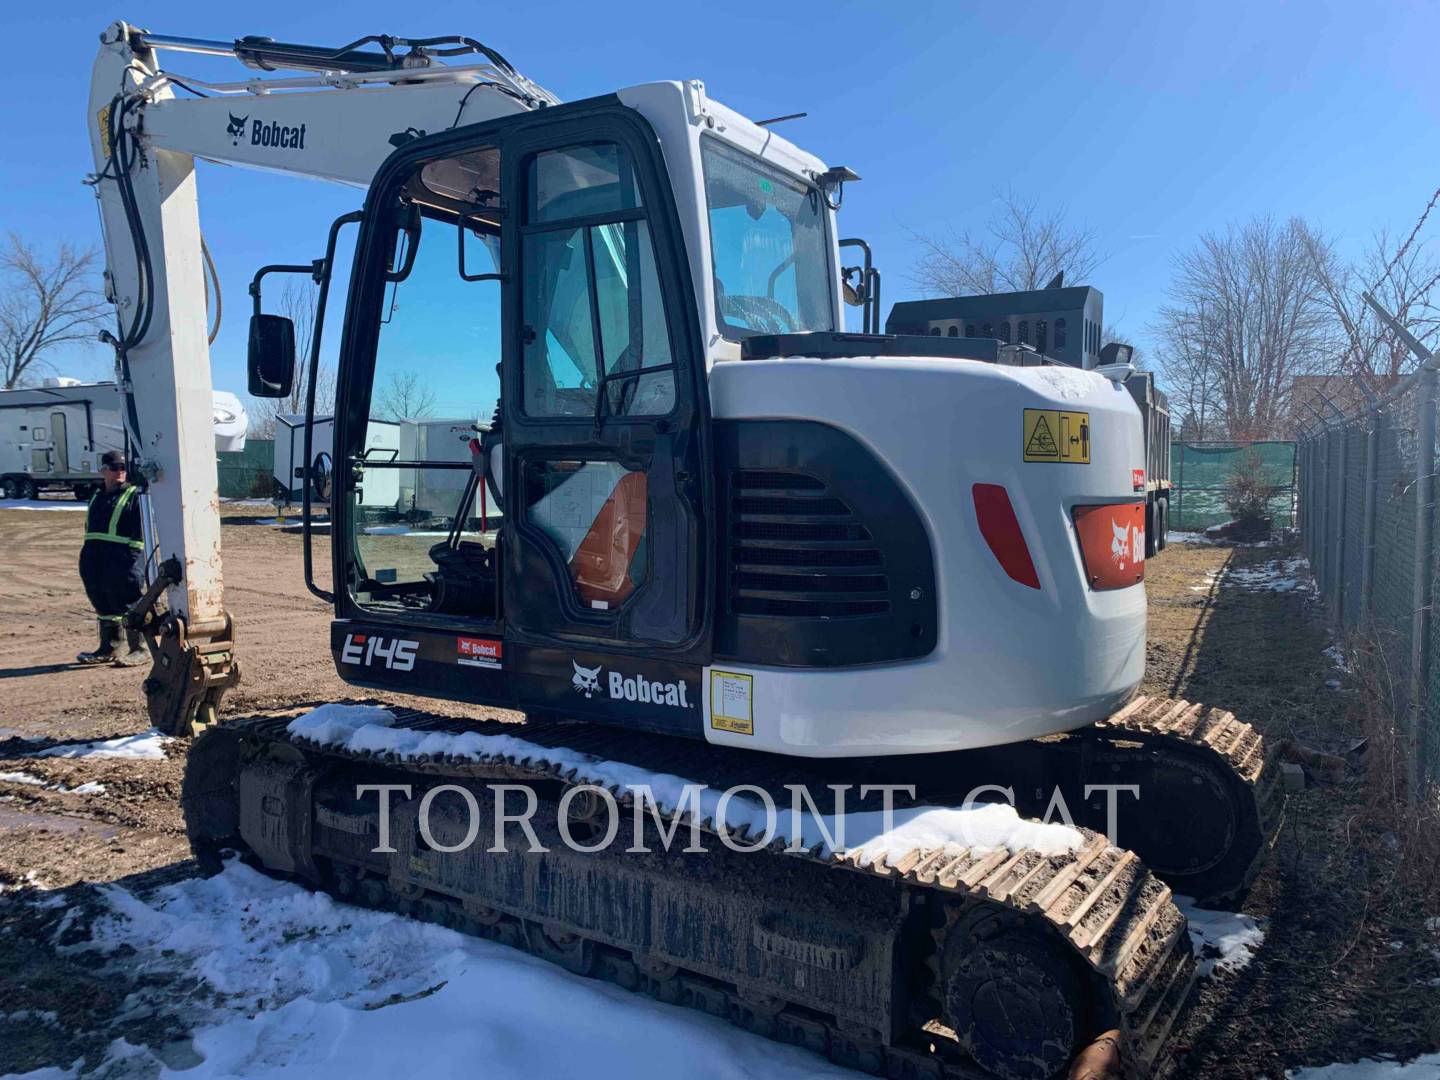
{"type": "Point", "coordinates": [630, 688]}
{"type": "Point", "coordinates": [261, 133]}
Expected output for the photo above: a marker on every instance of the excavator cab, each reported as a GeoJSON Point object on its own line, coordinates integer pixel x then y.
{"type": "Point", "coordinates": [536, 261]}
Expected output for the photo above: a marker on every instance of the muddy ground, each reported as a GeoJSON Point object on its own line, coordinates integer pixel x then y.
{"type": "Point", "coordinates": [1347, 968]}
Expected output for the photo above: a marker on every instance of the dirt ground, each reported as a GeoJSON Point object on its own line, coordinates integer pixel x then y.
{"type": "Point", "coordinates": [1347, 968]}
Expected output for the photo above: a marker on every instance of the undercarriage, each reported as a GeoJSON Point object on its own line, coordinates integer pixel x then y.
{"type": "Point", "coordinates": [945, 961]}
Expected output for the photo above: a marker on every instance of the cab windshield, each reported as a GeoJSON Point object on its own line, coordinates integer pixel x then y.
{"type": "Point", "coordinates": [769, 248]}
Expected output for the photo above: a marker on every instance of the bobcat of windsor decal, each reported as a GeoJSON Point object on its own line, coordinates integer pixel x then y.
{"type": "Point", "coordinates": [396, 654]}
{"type": "Point", "coordinates": [479, 652]}
{"type": "Point", "coordinates": [261, 133]}
{"type": "Point", "coordinates": [637, 688]}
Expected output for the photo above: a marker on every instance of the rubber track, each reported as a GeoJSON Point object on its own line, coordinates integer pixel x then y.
{"type": "Point", "coordinates": [1218, 734]}
{"type": "Point", "coordinates": [1115, 916]}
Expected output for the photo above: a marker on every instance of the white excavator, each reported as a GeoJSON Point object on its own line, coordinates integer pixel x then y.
{"type": "Point", "coordinates": [726, 541]}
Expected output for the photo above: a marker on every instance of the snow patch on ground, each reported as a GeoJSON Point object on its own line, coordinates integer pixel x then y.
{"type": "Point", "coordinates": [40, 504]}
{"type": "Point", "coordinates": [370, 729]}
{"type": "Point", "coordinates": [147, 746]}
{"type": "Point", "coordinates": [31, 780]}
{"type": "Point", "coordinates": [1177, 537]}
{"type": "Point", "coordinates": [1278, 575]}
{"type": "Point", "coordinates": [311, 987]}
{"type": "Point", "coordinates": [22, 778]}
{"type": "Point", "coordinates": [1336, 656]}
{"type": "Point", "coordinates": [1422, 1068]}
{"type": "Point", "coordinates": [1223, 940]}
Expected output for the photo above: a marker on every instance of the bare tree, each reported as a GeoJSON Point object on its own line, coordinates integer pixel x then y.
{"type": "Point", "coordinates": [1246, 316]}
{"type": "Point", "coordinates": [1191, 382]}
{"type": "Point", "coordinates": [1402, 277]}
{"type": "Point", "coordinates": [404, 397]}
{"type": "Point", "coordinates": [1021, 248]}
{"type": "Point", "coordinates": [47, 302]}
{"type": "Point", "coordinates": [297, 303]}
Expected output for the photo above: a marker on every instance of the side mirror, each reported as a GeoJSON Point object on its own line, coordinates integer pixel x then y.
{"type": "Point", "coordinates": [271, 361]}
{"type": "Point", "coordinates": [320, 476]}
{"type": "Point", "coordinates": [852, 285]}
{"type": "Point", "coordinates": [1116, 353]}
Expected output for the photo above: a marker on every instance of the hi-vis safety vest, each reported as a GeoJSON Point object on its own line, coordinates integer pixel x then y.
{"type": "Point", "coordinates": [112, 535]}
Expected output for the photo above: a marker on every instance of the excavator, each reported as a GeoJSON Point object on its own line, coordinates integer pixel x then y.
{"type": "Point", "coordinates": [726, 542]}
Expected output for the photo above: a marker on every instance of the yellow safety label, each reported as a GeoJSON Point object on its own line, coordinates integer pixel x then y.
{"type": "Point", "coordinates": [103, 119]}
{"type": "Point", "coordinates": [1054, 435]}
{"type": "Point", "coordinates": [730, 702]}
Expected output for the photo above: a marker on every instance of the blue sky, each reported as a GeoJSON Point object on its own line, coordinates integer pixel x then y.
{"type": "Point", "coordinates": [1152, 123]}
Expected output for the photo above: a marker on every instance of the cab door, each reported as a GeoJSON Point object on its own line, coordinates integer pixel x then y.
{"type": "Point", "coordinates": [604, 417]}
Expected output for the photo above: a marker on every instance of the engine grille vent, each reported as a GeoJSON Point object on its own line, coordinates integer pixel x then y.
{"type": "Point", "coordinates": [798, 551]}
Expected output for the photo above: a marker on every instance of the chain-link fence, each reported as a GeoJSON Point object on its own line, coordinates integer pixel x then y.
{"type": "Point", "coordinates": [1367, 515]}
{"type": "Point", "coordinates": [1200, 473]}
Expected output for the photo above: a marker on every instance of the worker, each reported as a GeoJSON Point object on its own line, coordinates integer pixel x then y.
{"type": "Point", "coordinates": [112, 562]}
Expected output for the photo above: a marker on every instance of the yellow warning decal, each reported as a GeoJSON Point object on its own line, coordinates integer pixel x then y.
{"type": "Point", "coordinates": [103, 119]}
{"type": "Point", "coordinates": [730, 702]}
{"type": "Point", "coordinates": [1053, 435]}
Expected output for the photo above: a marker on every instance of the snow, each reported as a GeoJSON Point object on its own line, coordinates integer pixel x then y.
{"type": "Point", "coordinates": [1067, 383]}
{"type": "Point", "coordinates": [370, 729]}
{"type": "Point", "coordinates": [1334, 654]}
{"type": "Point", "coordinates": [22, 778]}
{"type": "Point", "coordinates": [1177, 537]}
{"type": "Point", "coordinates": [1223, 940]}
{"type": "Point", "coordinates": [31, 780]}
{"type": "Point", "coordinates": [1422, 1068]}
{"type": "Point", "coordinates": [402, 530]}
{"type": "Point", "coordinates": [1278, 575]}
{"type": "Point", "coordinates": [147, 746]}
{"type": "Point", "coordinates": [41, 504]}
{"type": "Point", "coordinates": [307, 986]}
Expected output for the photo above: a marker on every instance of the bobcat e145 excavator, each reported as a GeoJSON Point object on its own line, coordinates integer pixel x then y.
{"type": "Point", "coordinates": [735, 544]}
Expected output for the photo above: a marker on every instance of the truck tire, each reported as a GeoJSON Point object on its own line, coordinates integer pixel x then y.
{"type": "Point", "coordinates": [9, 487]}
{"type": "Point", "coordinates": [24, 489]}
{"type": "Point", "coordinates": [83, 491]}
{"type": "Point", "coordinates": [1162, 530]}
{"type": "Point", "coordinates": [1151, 528]}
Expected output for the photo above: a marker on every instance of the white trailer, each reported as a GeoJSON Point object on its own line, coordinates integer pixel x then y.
{"type": "Point", "coordinates": [427, 494]}
{"type": "Point", "coordinates": [381, 489]}
{"type": "Point", "coordinates": [52, 435]}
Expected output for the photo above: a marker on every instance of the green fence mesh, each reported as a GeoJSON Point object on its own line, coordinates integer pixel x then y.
{"type": "Point", "coordinates": [1200, 472]}
{"type": "Point", "coordinates": [246, 474]}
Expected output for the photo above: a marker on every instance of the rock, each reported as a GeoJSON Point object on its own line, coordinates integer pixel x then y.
{"type": "Point", "coordinates": [1292, 776]}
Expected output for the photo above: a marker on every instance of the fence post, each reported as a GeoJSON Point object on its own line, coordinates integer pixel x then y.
{"type": "Point", "coordinates": [1420, 629]}
{"type": "Point", "coordinates": [1367, 525]}
{"type": "Point", "coordinates": [1180, 503]}
{"type": "Point", "coordinates": [1322, 539]}
{"type": "Point", "coordinates": [1342, 479]}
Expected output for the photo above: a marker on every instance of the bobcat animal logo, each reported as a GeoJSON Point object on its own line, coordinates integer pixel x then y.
{"type": "Point", "coordinates": [1120, 544]}
{"type": "Point", "coordinates": [586, 680]}
{"type": "Point", "coordinates": [236, 128]}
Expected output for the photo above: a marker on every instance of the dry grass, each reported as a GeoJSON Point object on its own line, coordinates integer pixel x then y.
{"type": "Point", "coordinates": [1348, 968]}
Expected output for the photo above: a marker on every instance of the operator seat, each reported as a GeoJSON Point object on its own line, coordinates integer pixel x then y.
{"type": "Point", "coordinates": [600, 566]}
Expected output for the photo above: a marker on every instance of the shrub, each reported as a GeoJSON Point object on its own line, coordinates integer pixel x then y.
{"type": "Point", "coordinates": [1248, 493]}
